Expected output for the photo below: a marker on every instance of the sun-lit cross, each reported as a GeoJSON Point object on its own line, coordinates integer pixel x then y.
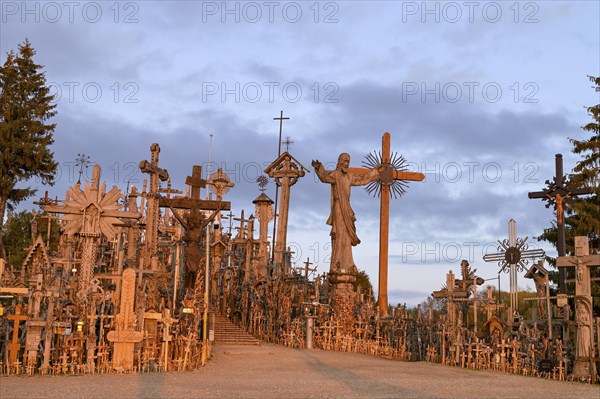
{"type": "Point", "coordinates": [391, 180]}
{"type": "Point", "coordinates": [513, 255]}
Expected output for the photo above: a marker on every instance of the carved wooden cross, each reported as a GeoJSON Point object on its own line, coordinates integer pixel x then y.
{"type": "Point", "coordinates": [194, 203]}
{"type": "Point", "coordinates": [152, 212]}
{"type": "Point", "coordinates": [89, 213]}
{"type": "Point", "coordinates": [285, 170]}
{"type": "Point", "coordinates": [583, 262]}
{"type": "Point", "coordinates": [386, 178]}
{"type": "Point", "coordinates": [558, 190]}
{"type": "Point", "coordinates": [15, 346]}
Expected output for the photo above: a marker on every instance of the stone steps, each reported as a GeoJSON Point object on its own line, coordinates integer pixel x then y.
{"type": "Point", "coordinates": [228, 333]}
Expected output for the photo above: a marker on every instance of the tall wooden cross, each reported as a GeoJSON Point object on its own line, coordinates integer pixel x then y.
{"type": "Point", "coordinates": [285, 170]}
{"type": "Point", "coordinates": [558, 190]}
{"type": "Point", "coordinates": [152, 213]}
{"type": "Point", "coordinates": [387, 177]}
{"type": "Point", "coordinates": [280, 119]}
{"type": "Point", "coordinates": [513, 255]}
{"type": "Point", "coordinates": [15, 346]}
{"type": "Point", "coordinates": [584, 365]}
{"type": "Point", "coordinates": [194, 203]}
{"type": "Point", "coordinates": [195, 223]}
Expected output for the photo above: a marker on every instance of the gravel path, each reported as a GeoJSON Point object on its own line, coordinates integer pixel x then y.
{"type": "Point", "coordinates": [270, 371]}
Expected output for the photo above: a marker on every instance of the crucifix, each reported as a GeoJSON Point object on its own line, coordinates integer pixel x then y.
{"type": "Point", "coordinates": [513, 255]}
{"type": "Point", "coordinates": [152, 211]}
{"type": "Point", "coordinates": [584, 365]}
{"type": "Point", "coordinates": [194, 223]}
{"type": "Point", "coordinates": [557, 191]}
{"type": "Point", "coordinates": [391, 181]}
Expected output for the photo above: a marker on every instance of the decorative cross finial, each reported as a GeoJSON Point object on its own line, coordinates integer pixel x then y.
{"type": "Point", "coordinates": [262, 181]}
{"type": "Point", "coordinates": [288, 142]}
{"type": "Point", "coordinates": [83, 162]}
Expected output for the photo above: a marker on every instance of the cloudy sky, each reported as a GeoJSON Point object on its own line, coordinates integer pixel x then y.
{"type": "Point", "coordinates": [478, 96]}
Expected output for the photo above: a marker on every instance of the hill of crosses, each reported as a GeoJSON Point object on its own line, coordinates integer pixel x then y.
{"type": "Point", "coordinates": [151, 279]}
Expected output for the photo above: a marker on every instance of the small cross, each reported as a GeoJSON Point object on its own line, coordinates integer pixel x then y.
{"type": "Point", "coordinates": [196, 181]}
{"type": "Point", "coordinates": [288, 142]}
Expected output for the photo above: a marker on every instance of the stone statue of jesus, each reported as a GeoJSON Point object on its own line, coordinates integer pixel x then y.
{"type": "Point", "coordinates": [342, 218]}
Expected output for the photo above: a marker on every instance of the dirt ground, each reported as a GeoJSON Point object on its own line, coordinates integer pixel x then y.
{"type": "Point", "coordinates": [269, 371]}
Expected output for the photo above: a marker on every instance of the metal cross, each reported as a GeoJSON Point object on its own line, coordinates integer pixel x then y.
{"type": "Point", "coordinates": [513, 255]}
{"type": "Point", "coordinates": [288, 142]}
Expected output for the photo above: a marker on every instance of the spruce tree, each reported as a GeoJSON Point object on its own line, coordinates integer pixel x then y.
{"type": "Point", "coordinates": [582, 214]}
{"type": "Point", "coordinates": [25, 134]}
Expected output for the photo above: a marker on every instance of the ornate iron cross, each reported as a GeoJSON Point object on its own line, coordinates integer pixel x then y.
{"type": "Point", "coordinates": [513, 255]}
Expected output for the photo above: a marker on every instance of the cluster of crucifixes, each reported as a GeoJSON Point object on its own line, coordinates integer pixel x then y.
{"type": "Point", "coordinates": [137, 279]}
{"type": "Point", "coordinates": [123, 289]}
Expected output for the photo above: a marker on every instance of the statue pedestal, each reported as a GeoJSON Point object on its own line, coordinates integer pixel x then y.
{"type": "Point", "coordinates": [582, 369]}
{"type": "Point", "coordinates": [343, 300]}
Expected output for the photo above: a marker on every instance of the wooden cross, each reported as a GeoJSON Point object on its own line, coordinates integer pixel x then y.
{"type": "Point", "coordinates": [167, 320]}
{"type": "Point", "coordinates": [194, 203]}
{"type": "Point", "coordinates": [91, 212]}
{"type": "Point", "coordinates": [513, 255]}
{"type": "Point", "coordinates": [583, 262]}
{"type": "Point", "coordinates": [558, 190]}
{"type": "Point", "coordinates": [169, 191]}
{"type": "Point", "coordinates": [15, 346]}
{"type": "Point", "coordinates": [47, 201]}
{"type": "Point", "coordinates": [285, 170]}
{"type": "Point", "coordinates": [307, 268]}
{"type": "Point", "coordinates": [387, 176]}
{"type": "Point", "coordinates": [243, 222]}
{"type": "Point", "coordinates": [152, 212]}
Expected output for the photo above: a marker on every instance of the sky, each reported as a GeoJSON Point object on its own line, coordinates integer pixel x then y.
{"type": "Point", "coordinates": [478, 96]}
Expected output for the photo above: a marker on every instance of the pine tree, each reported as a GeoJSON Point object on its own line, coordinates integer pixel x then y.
{"type": "Point", "coordinates": [25, 134]}
{"type": "Point", "coordinates": [585, 212]}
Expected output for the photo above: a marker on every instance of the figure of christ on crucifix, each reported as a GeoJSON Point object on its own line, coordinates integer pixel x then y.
{"type": "Point", "coordinates": [342, 218]}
